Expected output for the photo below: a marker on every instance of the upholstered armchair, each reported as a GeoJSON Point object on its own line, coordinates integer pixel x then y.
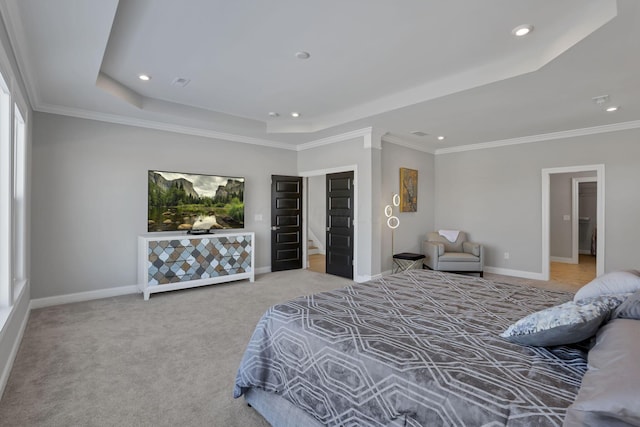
{"type": "Point", "coordinates": [459, 255]}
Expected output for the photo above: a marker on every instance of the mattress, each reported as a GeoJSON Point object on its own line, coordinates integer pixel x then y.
{"type": "Point", "coordinates": [416, 348]}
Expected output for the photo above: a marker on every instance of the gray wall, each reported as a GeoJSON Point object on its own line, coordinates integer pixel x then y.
{"type": "Point", "coordinates": [346, 154]}
{"type": "Point", "coordinates": [495, 195]}
{"type": "Point", "coordinates": [560, 204]}
{"type": "Point", "coordinates": [90, 195]}
{"type": "Point", "coordinates": [317, 203]}
{"type": "Point", "coordinates": [413, 227]}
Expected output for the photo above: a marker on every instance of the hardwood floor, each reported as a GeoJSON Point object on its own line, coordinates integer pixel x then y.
{"type": "Point", "coordinates": [563, 277]}
{"type": "Point", "coordinates": [574, 274]}
{"type": "Point", "coordinates": [316, 263]}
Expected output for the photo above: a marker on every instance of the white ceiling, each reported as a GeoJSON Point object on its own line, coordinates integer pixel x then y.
{"type": "Point", "coordinates": [441, 67]}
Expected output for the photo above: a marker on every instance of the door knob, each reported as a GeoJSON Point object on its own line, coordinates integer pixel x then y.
{"type": "Point", "coordinates": [275, 228]}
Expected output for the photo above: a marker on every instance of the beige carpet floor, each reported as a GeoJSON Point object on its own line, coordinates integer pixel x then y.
{"type": "Point", "coordinates": [169, 361]}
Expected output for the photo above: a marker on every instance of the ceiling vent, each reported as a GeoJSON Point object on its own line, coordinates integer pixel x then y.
{"type": "Point", "coordinates": [599, 100]}
{"type": "Point", "coordinates": [419, 133]}
{"type": "Point", "coordinates": [180, 81]}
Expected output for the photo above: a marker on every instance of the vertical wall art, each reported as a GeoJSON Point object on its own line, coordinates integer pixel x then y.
{"type": "Point", "coordinates": [408, 190]}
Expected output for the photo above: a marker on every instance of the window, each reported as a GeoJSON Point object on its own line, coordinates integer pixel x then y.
{"type": "Point", "coordinates": [6, 186]}
{"type": "Point", "coordinates": [19, 201]}
{"type": "Point", "coordinates": [13, 200]}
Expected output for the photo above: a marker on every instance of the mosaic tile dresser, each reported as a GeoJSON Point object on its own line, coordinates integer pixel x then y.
{"type": "Point", "coordinates": [167, 263]}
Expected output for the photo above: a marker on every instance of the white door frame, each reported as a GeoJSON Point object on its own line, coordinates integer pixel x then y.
{"type": "Point", "coordinates": [546, 204]}
{"type": "Point", "coordinates": [575, 213]}
{"type": "Point", "coordinates": [324, 172]}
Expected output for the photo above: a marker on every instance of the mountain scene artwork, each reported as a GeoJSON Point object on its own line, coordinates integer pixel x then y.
{"type": "Point", "coordinates": [184, 202]}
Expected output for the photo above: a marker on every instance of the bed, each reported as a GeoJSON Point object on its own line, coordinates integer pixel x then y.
{"type": "Point", "coordinates": [419, 348]}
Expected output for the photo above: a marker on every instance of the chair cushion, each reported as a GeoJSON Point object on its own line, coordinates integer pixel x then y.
{"type": "Point", "coordinates": [458, 257]}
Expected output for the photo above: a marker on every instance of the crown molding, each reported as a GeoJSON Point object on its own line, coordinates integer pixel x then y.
{"type": "Point", "coordinates": [364, 132]}
{"type": "Point", "coordinates": [616, 127]}
{"type": "Point", "coordinates": [168, 127]}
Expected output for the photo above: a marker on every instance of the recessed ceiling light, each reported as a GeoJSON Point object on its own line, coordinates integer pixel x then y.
{"type": "Point", "coordinates": [612, 109]}
{"type": "Point", "coordinates": [295, 115]}
{"type": "Point", "coordinates": [273, 114]}
{"type": "Point", "coordinates": [522, 30]}
{"type": "Point", "coordinates": [144, 77]}
{"type": "Point", "coordinates": [440, 138]}
{"type": "Point", "coordinates": [303, 55]}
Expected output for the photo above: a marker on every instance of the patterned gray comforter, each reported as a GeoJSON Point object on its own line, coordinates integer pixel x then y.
{"type": "Point", "coordinates": [421, 346]}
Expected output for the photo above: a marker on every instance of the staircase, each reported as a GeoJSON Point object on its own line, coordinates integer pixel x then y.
{"type": "Point", "coordinates": [312, 249]}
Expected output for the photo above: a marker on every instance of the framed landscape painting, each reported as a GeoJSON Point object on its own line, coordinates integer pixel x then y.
{"type": "Point", "coordinates": [408, 190]}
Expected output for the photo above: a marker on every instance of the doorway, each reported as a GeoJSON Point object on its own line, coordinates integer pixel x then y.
{"type": "Point", "coordinates": [316, 221]}
{"type": "Point", "coordinates": [599, 221]}
{"type": "Point", "coordinates": [584, 233]}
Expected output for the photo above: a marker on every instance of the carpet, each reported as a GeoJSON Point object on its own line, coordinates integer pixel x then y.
{"type": "Point", "coordinates": [168, 361]}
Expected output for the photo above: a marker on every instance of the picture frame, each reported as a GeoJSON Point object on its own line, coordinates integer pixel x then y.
{"type": "Point", "coordinates": [408, 190]}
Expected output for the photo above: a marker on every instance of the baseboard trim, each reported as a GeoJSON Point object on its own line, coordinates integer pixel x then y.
{"type": "Point", "coordinates": [563, 260]}
{"type": "Point", "coordinates": [514, 273]}
{"type": "Point", "coordinates": [365, 278]}
{"type": "Point", "coordinates": [16, 343]}
{"type": "Point", "coordinates": [84, 296]}
{"type": "Point", "coordinates": [98, 294]}
{"type": "Point", "coordinates": [263, 270]}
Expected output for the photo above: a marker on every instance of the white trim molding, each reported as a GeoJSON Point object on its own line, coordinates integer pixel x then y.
{"type": "Point", "coordinates": [543, 137]}
{"type": "Point", "coordinates": [15, 346]}
{"type": "Point", "coordinates": [365, 278]}
{"type": "Point", "coordinates": [84, 296]}
{"type": "Point", "coordinates": [364, 132]}
{"type": "Point", "coordinates": [320, 172]}
{"type": "Point", "coordinates": [167, 127]}
{"type": "Point", "coordinates": [514, 273]}
{"type": "Point", "coordinates": [564, 260]}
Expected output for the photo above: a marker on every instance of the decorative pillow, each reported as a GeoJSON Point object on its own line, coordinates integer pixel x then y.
{"type": "Point", "coordinates": [616, 282]}
{"type": "Point", "coordinates": [609, 392]}
{"type": "Point", "coordinates": [630, 308]}
{"type": "Point", "coordinates": [567, 323]}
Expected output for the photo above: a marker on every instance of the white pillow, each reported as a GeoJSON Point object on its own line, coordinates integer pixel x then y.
{"type": "Point", "coordinates": [616, 282]}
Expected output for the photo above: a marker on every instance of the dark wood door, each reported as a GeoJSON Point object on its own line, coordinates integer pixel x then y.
{"type": "Point", "coordinates": [339, 242]}
{"type": "Point", "coordinates": [286, 222]}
